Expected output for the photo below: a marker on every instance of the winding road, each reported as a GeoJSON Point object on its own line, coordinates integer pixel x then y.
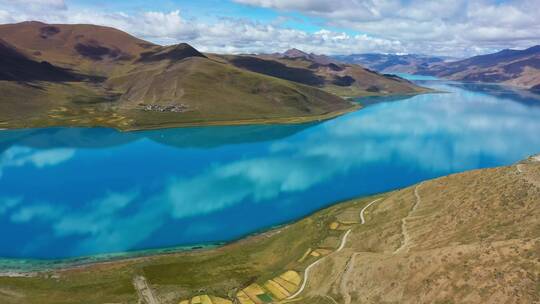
{"type": "Point", "coordinates": [406, 237]}
{"type": "Point", "coordinates": [341, 246]}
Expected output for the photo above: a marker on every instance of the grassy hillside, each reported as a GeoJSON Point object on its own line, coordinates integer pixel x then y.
{"type": "Point", "coordinates": [346, 80]}
{"type": "Point", "coordinates": [472, 237]}
{"type": "Point", "coordinates": [99, 76]}
{"type": "Point", "coordinates": [466, 238]}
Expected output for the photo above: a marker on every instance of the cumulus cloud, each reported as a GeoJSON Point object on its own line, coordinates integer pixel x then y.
{"type": "Point", "coordinates": [35, 4]}
{"type": "Point", "coordinates": [225, 35]}
{"type": "Point", "coordinates": [457, 27]}
{"type": "Point", "coordinates": [445, 27]}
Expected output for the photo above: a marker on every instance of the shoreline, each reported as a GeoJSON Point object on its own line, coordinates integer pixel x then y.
{"type": "Point", "coordinates": [216, 123]}
{"type": "Point", "coordinates": [37, 266]}
{"type": "Point", "coordinates": [44, 266]}
{"type": "Point", "coordinates": [355, 106]}
{"type": "Point", "coordinates": [254, 121]}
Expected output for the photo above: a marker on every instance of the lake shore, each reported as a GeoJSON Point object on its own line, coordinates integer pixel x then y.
{"type": "Point", "coordinates": [257, 249]}
{"type": "Point", "coordinates": [89, 122]}
{"type": "Point", "coordinates": [40, 267]}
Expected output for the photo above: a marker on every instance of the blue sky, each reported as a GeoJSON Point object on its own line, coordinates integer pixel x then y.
{"type": "Point", "coordinates": [441, 27]}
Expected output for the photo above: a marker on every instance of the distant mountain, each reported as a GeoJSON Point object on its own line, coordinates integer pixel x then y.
{"type": "Point", "coordinates": [519, 68]}
{"type": "Point", "coordinates": [391, 63]}
{"type": "Point", "coordinates": [297, 54]}
{"type": "Point", "coordinates": [94, 75]}
{"type": "Point", "coordinates": [324, 72]}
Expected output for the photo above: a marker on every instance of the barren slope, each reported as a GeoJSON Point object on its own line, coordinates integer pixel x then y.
{"type": "Point", "coordinates": [467, 238]}
{"type": "Point", "coordinates": [87, 48]}
{"type": "Point", "coordinates": [349, 80]}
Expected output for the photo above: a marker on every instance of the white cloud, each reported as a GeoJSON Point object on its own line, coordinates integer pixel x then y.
{"type": "Point", "coordinates": [6, 17]}
{"type": "Point", "coordinates": [226, 35]}
{"type": "Point", "coordinates": [456, 27]}
{"type": "Point", "coordinates": [33, 5]}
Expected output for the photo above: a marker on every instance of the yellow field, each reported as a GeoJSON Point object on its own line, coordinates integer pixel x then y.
{"type": "Point", "coordinates": [243, 298]}
{"type": "Point", "coordinates": [292, 276]}
{"type": "Point", "coordinates": [277, 290]}
{"type": "Point", "coordinates": [290, 287]}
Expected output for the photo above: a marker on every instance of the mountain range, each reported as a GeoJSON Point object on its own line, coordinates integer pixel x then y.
{"type": "Point", "coordinates": [87, 75]}
{"type": "Point", "coordinates": [325, 73]}
{"type": "Point", "coordinates": [520, 68]}
{"type": "Point", "coordinates": [392, 63]}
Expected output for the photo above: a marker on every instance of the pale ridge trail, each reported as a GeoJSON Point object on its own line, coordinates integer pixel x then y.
{"type": "Point", "coordinates": [341, 246]}
{"type": "Point", "coordinates": [345, 278]}
{"type": "Point", "coordinates": [146, 295]}
{"type": "Point", "coordinates": [521, 170]}
{"type": "Point", "coordinates": [350, 264]}
{"type": "Point", "coordinates": [406, 236]}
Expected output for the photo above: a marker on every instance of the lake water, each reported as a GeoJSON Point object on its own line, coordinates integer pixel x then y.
{"type": "Point", "coordinates": [71, 192]}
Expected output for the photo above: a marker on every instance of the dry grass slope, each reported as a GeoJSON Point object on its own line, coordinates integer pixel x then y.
{"type": "Point", "coordinates": [474, 238]}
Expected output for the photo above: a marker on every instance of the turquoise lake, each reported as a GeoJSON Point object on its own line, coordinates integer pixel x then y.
{"type": "Point", "coordinates": [72, 192]}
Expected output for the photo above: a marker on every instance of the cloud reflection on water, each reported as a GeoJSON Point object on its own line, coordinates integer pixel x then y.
{"type": "Point", "coordinates": [439, 134]}
{"type": "Point", "coordinates": [18, 156]}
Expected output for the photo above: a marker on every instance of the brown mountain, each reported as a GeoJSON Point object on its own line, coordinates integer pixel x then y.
{"type": "Point", "coordinates": [173, 53]}
{"type": "Point", "coordinates": [296, 53]}
{"type": "Point", "coordinates": [16, 66]}
{"type": "Point", "coordinates": [519, 68]}
{"type": "Point", "coordinates": [90, 48]}
{"type": "Point", "coordinates": [325, 73]}
{"type": "Point", "coordinates": [132, 84]}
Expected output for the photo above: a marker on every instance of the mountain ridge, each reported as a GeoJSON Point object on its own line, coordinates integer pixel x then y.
{"type": "Point", "coordinates": [520, 68]}
{"type": "Point", "coordinates": [128, 83]}
{"type": "Point", "coordinates": [391, 63]}
{"type": "Point", "coordinates": [346, 80]}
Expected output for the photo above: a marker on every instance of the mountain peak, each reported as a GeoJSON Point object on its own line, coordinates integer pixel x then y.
{"type": "Point", "coordinates": [295, 53]}
{"type": "Point", "coordinates": [174, 53]}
